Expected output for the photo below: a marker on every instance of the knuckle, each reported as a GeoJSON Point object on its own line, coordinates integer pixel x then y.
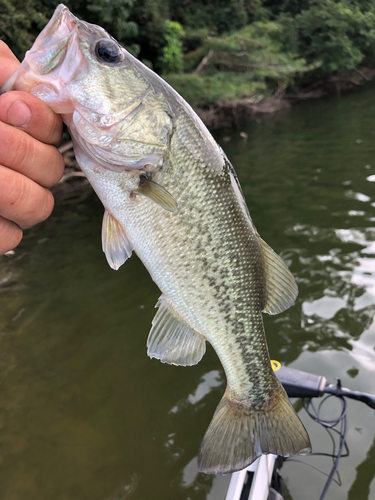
{"type": "Point", "coordinates": [10, 235]}
{"type": "Point", "coordinates": [54, 131]}
{"type": "Point", "coordinates": [4, 103]}
{"type": "Point", "coordinates": [15, 192]}
{"type": "Point", "coordinates": [24, 201]}
{"type": "Point", "coordinates": [40, 162]}
{"type": "Point", "coordinates": [46, 125]}
{"type": "Point", "coordinates": [24, 154]}
{"type": "Point", "coordinates": [49, 203]}
{"type": "Point", "coordinates": [57, 168]}
{"type": "Point", "coordinates": [39, 208]}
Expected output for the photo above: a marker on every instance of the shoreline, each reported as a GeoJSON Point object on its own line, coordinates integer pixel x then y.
{"type": "Point", "coordinates": [225, 114]}
{"type": "Point", "coordinates": [228, 113]}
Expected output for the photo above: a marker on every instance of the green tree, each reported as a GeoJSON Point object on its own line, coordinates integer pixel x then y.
{"type": "Point", "coordinates": [112, 15]}
{"type": "Point", "coordinates": [150, 16]}
{"type": "Point", "coordinates": [230, 48]}
{"type": "Point", "coordinates": [339, 34]}
{"type": "Point", "coordinates": [20, 22]}
{"type": "Point", "coordinates": [221, 15]}
{"type": "Point", "coordinates": [242, 64]}
{"type": "Point", "coordinates": [171, 59]}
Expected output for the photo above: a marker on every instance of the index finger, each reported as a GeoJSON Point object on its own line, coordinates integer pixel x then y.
{"type": "Point", "coordinates": [8, 63]}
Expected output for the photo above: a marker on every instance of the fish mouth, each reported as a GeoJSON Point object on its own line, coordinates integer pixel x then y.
{"type": "Point", "coordinates": [43, 72]}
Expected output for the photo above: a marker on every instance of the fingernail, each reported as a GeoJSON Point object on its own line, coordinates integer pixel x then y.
{"type": "Point", "coordinates": [19, 114]}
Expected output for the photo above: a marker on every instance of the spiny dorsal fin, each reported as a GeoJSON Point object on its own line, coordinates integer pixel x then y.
{"type": "Point", "coordinates": [172, 340]}
{"type": "Point", "coordinates": [281, 288]}
{"type": "Point", "coordinates": [156, 193]}
{"type": "Point", "coordinates": [115, 243]}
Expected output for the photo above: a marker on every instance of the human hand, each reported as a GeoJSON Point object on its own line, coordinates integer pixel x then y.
{"type": "Point", "coordinates": [29, 160]}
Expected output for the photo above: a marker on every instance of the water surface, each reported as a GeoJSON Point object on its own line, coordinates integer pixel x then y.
{"type": "Point", "coordinates": [85, 415]}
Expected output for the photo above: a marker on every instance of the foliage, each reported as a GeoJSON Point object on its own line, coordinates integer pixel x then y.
{"type": "Point", "coordinates": [20, 22]}
{"type": "Point", "coordinates": [339, 34]}
{"type": "Point", "coordinates": [238, 65]}
{"type": "Point", "coordinates": [205, 89]}
{"type": "Point", "coordinates": [171, 59]}
{"type": "Point", "coordinates": [258, 48]}
{"type": "Point", "coordinates": [150, 17]}
{"type": "Point", "coordinates": [222, 15]}
{"type": "Point", "coordinates": [112, 15]}
{"type": "Point", "coordinates": [228, 47]}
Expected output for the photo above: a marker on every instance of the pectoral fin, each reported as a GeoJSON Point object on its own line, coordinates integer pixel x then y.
{"type": "Point", "coordinates": [115, 242]}
{"type": "Point", "coordinates": [156, 193]}
{"type": "Point", "coordinates": [172, 340]}
{"type": "Point", "coordinates": [281, 288]}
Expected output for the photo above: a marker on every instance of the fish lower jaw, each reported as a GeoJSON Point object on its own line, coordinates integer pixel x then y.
{"type": "Point", "coordinates": [51, 96]}
{"type": "Point", "coordinates": [24, 80]}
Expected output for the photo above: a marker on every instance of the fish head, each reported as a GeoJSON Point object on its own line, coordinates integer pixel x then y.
{"type": "Point", "coordinates": [72, 62]}
{"type": "Point", "coordinates": [45, 69]}
{"type": "Point", "coordinates": [83, 73]}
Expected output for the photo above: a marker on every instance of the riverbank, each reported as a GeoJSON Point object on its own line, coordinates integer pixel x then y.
{"type": "Point", "coordinates": [229, 113]}
{"type": "Point", "coordinates": [235, 112]}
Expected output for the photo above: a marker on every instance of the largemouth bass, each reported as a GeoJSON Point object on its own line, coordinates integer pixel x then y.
{"type": "Point", "coordinates": [171, 195]}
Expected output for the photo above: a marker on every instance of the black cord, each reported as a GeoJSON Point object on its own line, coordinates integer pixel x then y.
{"type": "Point", "coordinates": [329, 425]}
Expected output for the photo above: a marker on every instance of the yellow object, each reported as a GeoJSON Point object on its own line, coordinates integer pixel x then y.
{"type": "Point", "coordinates": [276, 365]}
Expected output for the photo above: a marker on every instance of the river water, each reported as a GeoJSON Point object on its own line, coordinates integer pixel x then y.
{"type": "Point", "coordinates": [85, 415]}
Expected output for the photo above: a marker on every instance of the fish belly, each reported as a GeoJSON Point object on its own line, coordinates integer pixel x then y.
{"type": "Point", "coordinates": [206, 259]}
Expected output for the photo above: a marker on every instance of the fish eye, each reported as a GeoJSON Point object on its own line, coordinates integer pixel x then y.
{"type": "Point", "coordinates": [108, 51]}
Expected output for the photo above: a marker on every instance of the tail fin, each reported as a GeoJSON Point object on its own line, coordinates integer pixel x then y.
{"type": "Point", "coordinates": [239, 434]}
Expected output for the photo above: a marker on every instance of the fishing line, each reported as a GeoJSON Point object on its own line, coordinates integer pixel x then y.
{"type": "Point", "coordinates": [298, 461]}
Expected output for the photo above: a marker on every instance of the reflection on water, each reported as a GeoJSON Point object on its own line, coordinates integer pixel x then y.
{"type": "Point", "coordinates": [209, 380]}
{"type": "Point", "coordinates": [126, 490]}
{"type": "Point", "coordinates": [84, 414]}
{"type": "Point", "coordinates": [364, 477]}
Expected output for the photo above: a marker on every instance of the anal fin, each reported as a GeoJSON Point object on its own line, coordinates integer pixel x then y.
{"type": "Point", "coordinates": [115, 242]}
{"type": "Point", "coordinates": [172, 340]}
{"type": "Point", "coordinates": [281, 288]}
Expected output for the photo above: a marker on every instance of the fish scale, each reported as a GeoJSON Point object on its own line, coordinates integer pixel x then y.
{"type": "Point", "coordinates": [171, 195]}
{"type": "Point", "coordinates": [230, 262]}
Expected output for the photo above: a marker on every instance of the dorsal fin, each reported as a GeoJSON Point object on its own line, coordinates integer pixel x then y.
{"type": "Point", "coordinates": [281, 288]}
{"type": "Point", "coordinates": [172, 340]}
{"type": "Point", "coordinates": [115, 242]}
